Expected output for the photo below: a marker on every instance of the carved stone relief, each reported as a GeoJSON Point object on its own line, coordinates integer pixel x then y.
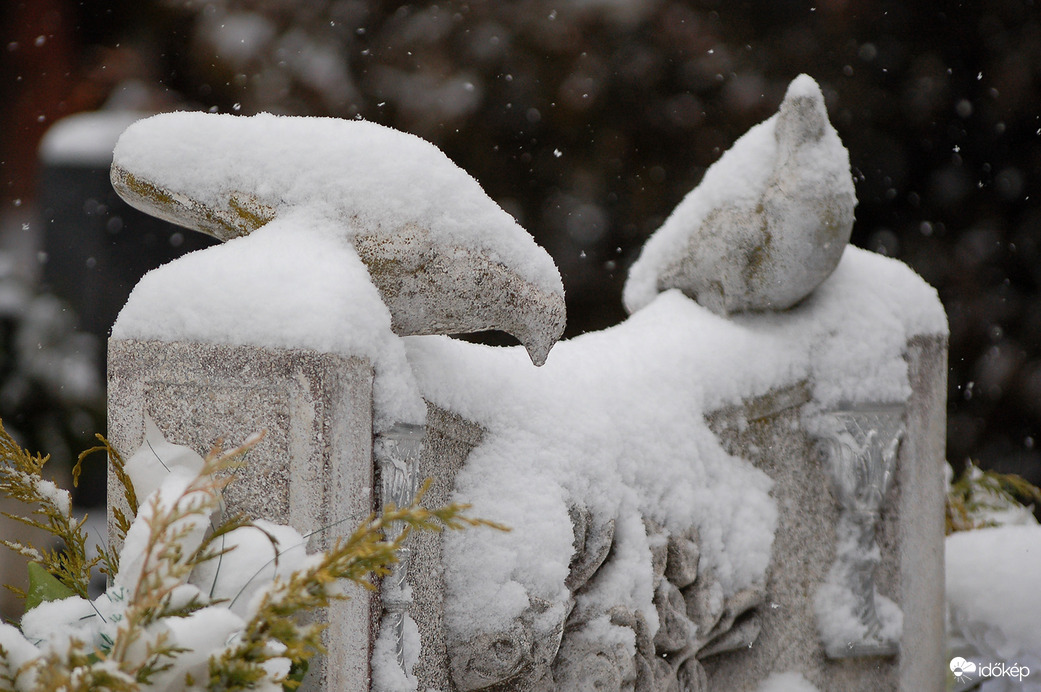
{"type": "Point", "coordinates": [397, 453]}
{"type": "Point", "coordinates": [542, 651]}
{"type": "Point", "coordinates": [860, 447]}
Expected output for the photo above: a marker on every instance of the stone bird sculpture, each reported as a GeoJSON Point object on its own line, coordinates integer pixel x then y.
{"type": "Point", "coordinates": [445, 258]}
{"type": "Point", "coordinates": [768, 222]}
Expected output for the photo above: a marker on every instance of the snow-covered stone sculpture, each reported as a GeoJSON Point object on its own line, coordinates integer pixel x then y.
{"type": "Point", "coordinates": [672, 520]}
{"type": "Point", "coordinates": [767, 224]}
{"type": "Point", "coordinates": [341, 236]}
{"type": "Point", "coordinates": [445, 258]}
{"type": "Point", "coordinates": [672, 526]}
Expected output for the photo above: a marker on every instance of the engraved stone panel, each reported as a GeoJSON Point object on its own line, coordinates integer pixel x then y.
{"type": "Point", "coordinates": [908, 534]}
{"type": "Point", "coordinates": [397, 453]}
{"type": "Point", "coordinates": [705, 642]}
{"type": "Point", "coordinates": [859, 448]}
{"type": "Point", "coordinates": [313, 470]}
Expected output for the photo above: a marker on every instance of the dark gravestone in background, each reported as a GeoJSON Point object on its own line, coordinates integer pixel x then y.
{"type": "Point", "coordinates": [96, 246]}
{"type": "Point", "coordinates": [95, 250]}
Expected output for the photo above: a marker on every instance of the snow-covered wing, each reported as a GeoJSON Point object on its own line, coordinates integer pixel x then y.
{"type": "Point", "coordinates": [424, 227]}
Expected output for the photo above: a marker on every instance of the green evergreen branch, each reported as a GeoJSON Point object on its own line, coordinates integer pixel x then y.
{"type": "Point", "coordinates": [21, 478]}
{"type": "Point", "coordinates": [978, 493]}
{"type": "Point", "coordinates": [138, 652]}
{"type": "Point", "coordinates": [365, 554]}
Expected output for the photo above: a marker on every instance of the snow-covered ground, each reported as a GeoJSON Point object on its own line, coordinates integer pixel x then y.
{"type": "Point", "coordinates": [994, 611]}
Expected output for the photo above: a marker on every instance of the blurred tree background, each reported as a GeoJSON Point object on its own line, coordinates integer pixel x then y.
{"type": "Point", "coordinates": [589, 120]}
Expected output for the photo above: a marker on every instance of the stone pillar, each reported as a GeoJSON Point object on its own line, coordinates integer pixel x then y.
{"type": "Point", "coordinates": [313, 470]}
{"type": "Point", "coordinates": [923, 647]}
{"type": "Point", "coordinates": [906, 526]}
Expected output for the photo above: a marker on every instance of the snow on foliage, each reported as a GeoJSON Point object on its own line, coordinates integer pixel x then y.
{"type": "Point", "coordinates": [195, 601]}
{"type": "Point", "coordinates": [151, 615]}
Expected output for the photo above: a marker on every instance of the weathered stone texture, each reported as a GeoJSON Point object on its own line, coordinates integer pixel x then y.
{"type": "Point", "coordinates": [768, 431]}
{"type": "Point", "coordinates": [313, 469]}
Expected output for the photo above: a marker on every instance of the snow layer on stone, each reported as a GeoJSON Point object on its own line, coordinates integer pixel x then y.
{"type": "Point", "coordinates": [992, 578]}
{"type": "Point", "coordinates": [838, 623]}
{"type": "Point", "coordinates": [290, 284]}
{"type": "Point", "coordinates": [737, 179]}
{"type": "Point", "coordinates": [614, 421]}
{"type": "Point", "coordinates": [86, 139]}
{"type": "Point", "coordinates": [786, 682]}
{"type": "Point", "coordinates": [368, 177]}
{"type": "Point", "coordinates": [387, 674]}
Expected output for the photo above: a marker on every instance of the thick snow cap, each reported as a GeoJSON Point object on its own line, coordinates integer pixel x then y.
{"type": "Point", "coordinates": [445, 257]}
{"type": "Point", "coordinates": [768, 222]}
